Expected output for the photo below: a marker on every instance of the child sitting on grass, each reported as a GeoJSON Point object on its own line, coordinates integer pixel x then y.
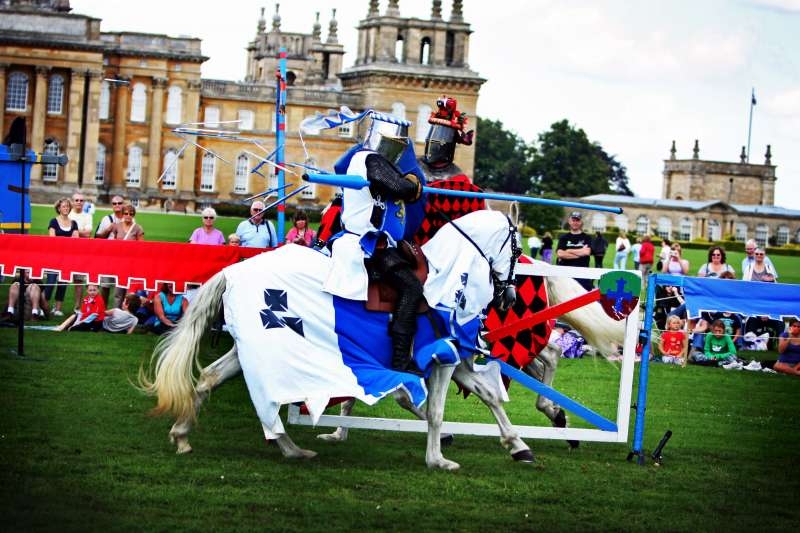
{"type": "Point", "coordinates": [789, 350]}
{"type": "Point", "coordinates": [90, 316]}
{"type": "Point", "coordinates": [719, 348]}
{"type": "Point", "coordinates": [673, 342]}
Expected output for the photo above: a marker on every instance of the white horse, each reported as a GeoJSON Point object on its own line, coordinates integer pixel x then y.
{"type": "Point", "coordinates": [486, 256]}
{"type": "Point", "coordinates": [599, 330]}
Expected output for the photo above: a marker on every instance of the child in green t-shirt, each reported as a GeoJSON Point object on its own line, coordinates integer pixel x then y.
{"type": "Point", "coordinates": [719, 346]}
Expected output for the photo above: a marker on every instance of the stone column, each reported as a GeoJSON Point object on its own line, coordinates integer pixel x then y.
{"type": "Point", "coordinates": [92, 128]}
{"type": "Point", "coordinates": [154, 140]}
{"type": "Point", "coordinates": [39, 116]}
{"type": "Point", "coordinates": [117, 178]}
{"type": "Point", "coordinates": [74, 124]}
{"type": "Point", "coordinates": [3, 67]}
{"type": "Point", "coordinates": [187, 171]}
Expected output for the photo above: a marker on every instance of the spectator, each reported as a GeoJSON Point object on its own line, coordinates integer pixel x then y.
{"type": "Point", "coordinates": [646, 258]}
{"type": "Point", "coordinates": [207, 233]}
{"type": "Point", "coordinates": [168, 308]}
{"type": "Point", "coordinates": [103, 232]}
{"type": "Point", "coordinates": [663, 255]}
{"type": "Point", "coordinates": [675, 264]}
{"type": "Point", "coordinates": [623, 247]}
{"type": "Point", "coordinates": [257, 231]}
{"type": "Point", "coordinates": [718, 347]}
{"type": "Point", "coordinates": [123, 319]}
{"type": "Point", "coordinates": [127, 229]}
{"type": "Point", "coordinates": [547, 247]}
{"type": "Point", "coordinates": [599, 247]}
{"type": "Point", "coordinates": [90, 315]}
{"type": "Point", "coordinates": [761, 333]}
{"type": "Point", "coordinates": [534, 244]}
{"type": "Point", "coordinates": [104, 227]}
{"type": "Point", "coordinates": [85, 226]}
{"type": "Point", "coordinates": [759, 270]}
{"type": "Point", "coordinates": [789, 350]}
{"type": "Point", "coordinates": [635, 251]}
{"type": "Point", "coordinates": [234, 240]}
{"type": "Point", "coordinates": [674, 343]}
{"type": "Point", "coordinates": [574, 247]}
{"type": "Point", "coordinates": [749, 258]}
{"type": "Point", "coordinates": [300, 233]}
{"type": "Point", "coordinates": [732, 323]}
{"type": "Point", "coordinates": [60, 226]}
{"type": "Point", "coordinates": [716, 264]}
{"type": "Point", "coordinates": [35, 305]}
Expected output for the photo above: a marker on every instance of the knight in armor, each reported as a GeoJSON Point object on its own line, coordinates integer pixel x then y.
{"type": "Point", "coordinates": [447, 130]}
{"type": "Point", "coordinates": [374, 222]}
{"type": "Point", "coordinates": [447, 125]}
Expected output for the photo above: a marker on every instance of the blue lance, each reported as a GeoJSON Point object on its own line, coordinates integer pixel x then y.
{"type": "Point", "coordinates": [349, 181]}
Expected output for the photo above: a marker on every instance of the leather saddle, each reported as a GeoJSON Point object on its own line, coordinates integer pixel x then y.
{"type": "Point", "coordinates": [382, 297]}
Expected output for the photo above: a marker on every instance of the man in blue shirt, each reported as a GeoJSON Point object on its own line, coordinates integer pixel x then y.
{"type": "Point", "coordinates": [257, 231]}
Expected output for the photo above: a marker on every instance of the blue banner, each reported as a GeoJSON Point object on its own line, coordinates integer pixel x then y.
{"type": "Point", "coordinates": [749, 298]}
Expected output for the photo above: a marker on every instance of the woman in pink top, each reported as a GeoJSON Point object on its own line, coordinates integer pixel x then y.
{"type": "Point", "coordinates": [300, 234]}
{"type": "Point", "coordinates": [207, 233]}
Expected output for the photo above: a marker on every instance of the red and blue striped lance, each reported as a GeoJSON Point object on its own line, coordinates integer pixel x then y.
{"type": "Point", "coordinates": [359, 182]}
{"type": "Point", "coordinates": [280, 134]}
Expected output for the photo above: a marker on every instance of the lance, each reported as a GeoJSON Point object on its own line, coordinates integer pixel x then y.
{"type": "Point", "coordinates": [349, 181]}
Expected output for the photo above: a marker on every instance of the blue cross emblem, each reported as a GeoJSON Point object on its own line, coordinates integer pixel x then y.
{"type": "Point", "coordinates": [620, 295]}
{"type": "Point", "coordinates": [277, 301]}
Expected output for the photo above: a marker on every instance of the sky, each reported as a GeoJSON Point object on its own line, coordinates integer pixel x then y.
{"type": "Point", "coordinates": [633, 75]}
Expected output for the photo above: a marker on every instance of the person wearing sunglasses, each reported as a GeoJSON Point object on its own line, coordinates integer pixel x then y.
{"type": "Point", "coordinates": [760, 269]}
{"type": "Point", "coordinates": [750, 258]}
{"type": "Point", "coordinates": [256, 231]}
{"type": "Point", "coordinates": [207, 233]}
{"type": "Point", "coordinates": [85, 226]}
{"type": "Point", "coordinates": [716, 264]}
{"type": "Point", "coordinates": [104, 227]}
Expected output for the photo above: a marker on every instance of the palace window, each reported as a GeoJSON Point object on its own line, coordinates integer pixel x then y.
{"type": "Point", "coordinates": [782, 237]}
{"type": "Point", "coordinates": [621, 221]}
{"type": "Point", "coordinates": [134, 174]}
{"type": "Point", "coordinates": [55, 95]}
{"type": "Point", "coordinates": [642, 225]}
{"type": "Point", "coordinates": [399, 49]}
{"type": "Point", "coordinates": [714, 230]}
{"type": "Point", "coordinates": [100, 165]}
{"type": "Point", "coordinates": [105, 100]}
{"type": "Point", "coordinates": [664, 227]}
{"type": "Point", "coordinates": [762, 235]}
{"type": "Point", "coordinates": [50, 172]}
{"type": "Point", "coordinates": [246, 119]}
{"type": "Point", "coordinates": [174, 105]}
{"type": "Point", "coordinates": [399, 110]}
{"type": "Point", "coordinates": [423, 114]}
{"type": "Point", "coordinates": [170, 172]}
{"type": "Point", "coordinates": [740, 232]}
{"type": "Point", "coordinates": [17, 92]}
{"type": "Point", "coordinates": [240, 175]}
{"type": "Point", "coordinates": [685, 229]}
{"type": "Point", "coordinates": [207, 173]}
{"type": "Point", "coordinates": [598, 222]}
{"type": "Point", "coordinates": [211, 118]}
{"type": "Point", "coordinates": [425, 51]}
{"type": "Point", "coordinates": [138, 102]}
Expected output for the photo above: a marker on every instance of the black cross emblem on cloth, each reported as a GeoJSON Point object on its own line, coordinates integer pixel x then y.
{"type": "Point", "coordinates": [277, 301]}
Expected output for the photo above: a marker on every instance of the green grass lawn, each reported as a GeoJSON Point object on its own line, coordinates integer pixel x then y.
{"type": "Point", "coordinates": [78, 452]}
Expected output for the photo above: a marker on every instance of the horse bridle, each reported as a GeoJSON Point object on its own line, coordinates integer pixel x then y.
{"type": "Point", "coordinates": [501, 287]}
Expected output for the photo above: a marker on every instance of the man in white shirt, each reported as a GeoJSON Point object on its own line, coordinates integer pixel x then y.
{"type": "Point", "coordinates": [85, 226]}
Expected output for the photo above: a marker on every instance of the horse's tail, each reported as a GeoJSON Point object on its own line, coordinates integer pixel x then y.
{"type": "Point", "coordinates": [599, 329]}
{"type": "Point", "coordinates": [173, 357]}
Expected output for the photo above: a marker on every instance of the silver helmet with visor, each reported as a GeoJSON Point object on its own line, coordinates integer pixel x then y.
{"type": "Point", "coordinates": [384, 134]}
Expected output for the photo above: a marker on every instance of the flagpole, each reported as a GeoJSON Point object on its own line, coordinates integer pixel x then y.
{"type": "Point", "coordinates": [280, 134]}
{"type": "Point", "coordinates": [750, 125]}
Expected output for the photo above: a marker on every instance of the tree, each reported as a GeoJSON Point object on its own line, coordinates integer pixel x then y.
{"type": "Point", "coordinates": [566, 163]}
{"type": "Point", "coordinates": [502, 159]}
{"type": "Point", "coordinates": [542, 217]}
